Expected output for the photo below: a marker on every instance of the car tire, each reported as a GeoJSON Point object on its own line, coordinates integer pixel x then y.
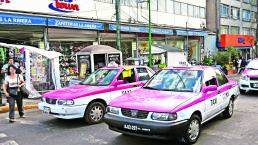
{"type": "Point", "coordinates": [242, 92]}
{"type": "Point", "coordinates": [229, 110]}
{"type": "Point", "coordinates": [193, 130]}
{"type": "Point", "coordinates": [94, 113]}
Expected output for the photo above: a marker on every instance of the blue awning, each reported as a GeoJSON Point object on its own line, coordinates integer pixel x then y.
{"type": "Point", "coordinates": [245, 47]}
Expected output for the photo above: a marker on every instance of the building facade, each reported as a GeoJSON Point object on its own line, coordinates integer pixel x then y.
{"type": "Point", "coordinates": [235, 18]}
{"type": "Point", "coordinates": [67, 26]}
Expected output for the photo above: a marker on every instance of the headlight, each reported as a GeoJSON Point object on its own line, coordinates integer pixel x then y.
{"type": "Point", "coordinates": [246, 78]}
{"type": "Point", "coordinates": [65, 102]}
{"type": "Point", "coordinates": [164, 116]}
{"type": "Point", "coordinates": [113, 110]}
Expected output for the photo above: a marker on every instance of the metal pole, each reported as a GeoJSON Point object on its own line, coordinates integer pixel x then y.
{"type": "Point", "coordinates": [187, 42]}
{"type": "Point", "coordinates": [118, 36]}
{"type": "Point", "coordinates": [150, 37]}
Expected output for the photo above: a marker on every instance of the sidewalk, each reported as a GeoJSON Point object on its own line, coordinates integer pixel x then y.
{"type": "Point", "coordinates": [27, 104]}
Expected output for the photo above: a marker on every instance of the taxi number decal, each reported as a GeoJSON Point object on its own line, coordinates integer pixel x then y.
{"type": "Point", "coordinates": [125, 92]}
{"type": "Point", "coordinates": [213, 101]}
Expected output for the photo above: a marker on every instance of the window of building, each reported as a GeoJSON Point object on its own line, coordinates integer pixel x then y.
{"type": "Point", "coordinates": [235, 13]}
{"type": "Point", "coordinates": [224, 29]}
{"type": "Point", "coordinates": [246, 15]}
{"type": "Point", "coordinates": [196, 12]}
{"type": "Point", "coordinates": [202, 12]}
{"type": "Point", "coordinates": [184, 9]}
{"type": "Point", "coordinates": [162, 5]}
{"type": "Point", "coordinates": [234, 30]}
{"type": "Point", "coordinates": [246, 31]}
{"type": "Point", "coordinates": [170, 6]}
{"type": "Point", "coordinates": [190, 10]}
{"type": "Point", "coordinates": [246, 1]}
{"type": "Point", "coordinates": [224, 10]}
{"type": "Point", "coordinates": [253, 16]}
{"type": "Point", "coordinates": [105, 1]}
{"type": "Point", "coordinates": [154, 5]}
{"type": "Point", "coordinates": [253, 2]}
{"type": "Point", "coordinates": [177, 8]}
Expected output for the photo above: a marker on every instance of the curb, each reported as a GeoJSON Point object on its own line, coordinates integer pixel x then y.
{"type": "Point", "coordinates": [26, 107]}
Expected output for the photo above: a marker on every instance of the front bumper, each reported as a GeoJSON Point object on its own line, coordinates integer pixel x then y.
{"type": "Point", "coordinates": [247, 85]}
{"type": "Point", "coordinates": [64, 112]}
{"type": "Point", "coordinates": [143, 128]}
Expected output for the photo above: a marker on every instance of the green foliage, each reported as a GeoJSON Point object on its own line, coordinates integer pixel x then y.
{"type": "Point", "coordinates": [225, 58]}
{"type": "Point", "coordinates": [207, 61]}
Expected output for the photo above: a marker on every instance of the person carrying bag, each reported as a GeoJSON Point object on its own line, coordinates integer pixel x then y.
{"type": "Point", "coordinates": [12, 86]}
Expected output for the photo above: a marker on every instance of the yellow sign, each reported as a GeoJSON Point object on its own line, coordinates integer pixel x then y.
{"type": "Point", "coordinates": [83, 69]}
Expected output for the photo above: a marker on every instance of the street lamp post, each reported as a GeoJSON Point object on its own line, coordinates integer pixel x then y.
{"type": "Point", "coordinates": [150, 36]}
{"type": "Point", "coordinates": [118, 35]}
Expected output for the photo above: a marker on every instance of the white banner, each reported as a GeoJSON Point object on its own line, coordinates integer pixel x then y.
{"type": "Point", "coordinates": [78, 8]}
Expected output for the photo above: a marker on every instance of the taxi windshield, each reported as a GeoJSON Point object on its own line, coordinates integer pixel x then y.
{"type": "Point", "coordinates": [253, 65]}
{"type": "Point", "coordinates": [101, 77]}
{"type": "Point", "coordinates": [176, 81]}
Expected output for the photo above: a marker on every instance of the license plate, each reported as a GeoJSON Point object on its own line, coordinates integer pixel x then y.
{"type": "Point", "coordinates": [255, 85]}
{"type": "Point", "coordinates": [135, 128]}
{"type": "Point", "coordinates": [46, 110]}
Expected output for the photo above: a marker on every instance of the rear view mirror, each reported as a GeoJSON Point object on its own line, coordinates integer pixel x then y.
{"type": "Point", "coordinates": [209, 88]}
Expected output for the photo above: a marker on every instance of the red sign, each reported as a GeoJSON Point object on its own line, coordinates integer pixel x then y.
{"type": "Point", "coordinates": [5, 1]}
{"type": "Point", "coordinates": [227, 40]}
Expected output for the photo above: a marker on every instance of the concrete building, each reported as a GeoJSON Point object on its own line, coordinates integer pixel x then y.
{"type": "Point", "coordinates": [235, 20]}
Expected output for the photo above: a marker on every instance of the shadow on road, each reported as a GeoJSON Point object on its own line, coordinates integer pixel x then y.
{"type": "Point", "coordinates": [64, 124]}
{"type": "Point", "coordinates": [251, 94]}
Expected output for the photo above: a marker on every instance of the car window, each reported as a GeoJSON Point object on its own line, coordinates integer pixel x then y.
{"type": "Point", "coordinates": [222, 79]}
{"type": "Point", "coordinates": [143, 74]}
{"type": "Point", "coordinates": [128, 76]}
{"type": "Point", "coordinates": [212, 81]}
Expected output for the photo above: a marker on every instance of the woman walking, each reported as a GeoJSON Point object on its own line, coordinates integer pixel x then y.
{"type": "Point", "coordinates": [12, 85]}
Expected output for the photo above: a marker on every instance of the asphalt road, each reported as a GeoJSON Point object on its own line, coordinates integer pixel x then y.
{"type": "Point", "coordinates": [40, 129]}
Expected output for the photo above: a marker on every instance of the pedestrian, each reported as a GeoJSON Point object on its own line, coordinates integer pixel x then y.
{"type": "Point", "coordinates": [12, 85]}
{"type": "Point", "coordinates": [4, 68]}
{"type": "Point", "coordinates": [239, 64]}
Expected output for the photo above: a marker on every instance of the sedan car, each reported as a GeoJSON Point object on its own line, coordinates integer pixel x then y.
{"type": "Point", "coordinates": [249, 78]}
{"type": "Point", "coordinates": [89, 99]}
{"type": "Point", "coordinates": [174, 103]}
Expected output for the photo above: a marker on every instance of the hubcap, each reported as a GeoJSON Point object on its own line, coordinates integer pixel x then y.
{"type": "Point", "coordinates": [231, 107]}
{"type": "Point", "coordinates": [194, 129]}
{"type": "Point", "coordinates": [96, 113]}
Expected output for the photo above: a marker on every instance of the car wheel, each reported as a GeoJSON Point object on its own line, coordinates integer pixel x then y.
{"type": "Point", "coordinates": [242, 91]}
{"type": "Point", "coordinates": [94, 113]}
{"type": "Point", "coordinates": [229, 110]}
{"type": "Point", "coordinates": [193, 130]}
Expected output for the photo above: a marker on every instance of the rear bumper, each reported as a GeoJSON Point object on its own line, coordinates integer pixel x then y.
{"type": "Point", "coordinates": [64, 112]}
{"type": "Point", "coordinates": [143, 128]}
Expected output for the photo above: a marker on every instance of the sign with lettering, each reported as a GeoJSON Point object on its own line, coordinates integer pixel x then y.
{"type": "Point", "coordinates": [21, 19]}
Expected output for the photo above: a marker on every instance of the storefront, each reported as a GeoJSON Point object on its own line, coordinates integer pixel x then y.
{"type": "Point", "coordinates": [245, 43]}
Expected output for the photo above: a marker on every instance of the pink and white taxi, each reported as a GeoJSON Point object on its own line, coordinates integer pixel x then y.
{"type": "Point", "coordinates": [249, 78]}
{"type": "Point", "coordinates": [89, 99]}
{"type": "Point", "coordinates": [174, 103]}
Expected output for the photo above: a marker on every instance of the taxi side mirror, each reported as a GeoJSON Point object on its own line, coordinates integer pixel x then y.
{"type": "Point", "coordinates": [210, 88]}
{"type": "Point", "coordinates": [118, 82]}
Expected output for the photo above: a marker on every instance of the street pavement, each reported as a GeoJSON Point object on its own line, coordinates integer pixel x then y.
{"type": "Point", "coordinates": [40, 129]}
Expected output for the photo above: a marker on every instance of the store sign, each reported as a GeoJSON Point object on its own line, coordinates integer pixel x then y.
{"type": "Point", "coordinates": [113, 57]}
{"type": "Point", "coordinates": [65, 6]}
{"type": "Point", "coordinates": [190, 33]}
{"type": "Point", "coordinates": [21, 20]}
{"type": "Point", "coordinates": [138, 29]}
{"type": "Point", "coordinates": [227, 40]}
{"type": "Point", "coordinates": [75, 24]}
{"type": "Point", "coordinates": [4, 1]}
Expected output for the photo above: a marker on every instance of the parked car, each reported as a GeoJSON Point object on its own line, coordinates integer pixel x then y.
{"type": "Point", "coordinates": [174, 103]}
{"type": "Point", "coordinates": [89, 99]}
{"type": "Point", "coordinates": [249, 77]}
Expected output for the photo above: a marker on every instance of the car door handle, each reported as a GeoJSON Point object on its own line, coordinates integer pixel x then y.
{"type": "Point", "coordinates": [135, 86]}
